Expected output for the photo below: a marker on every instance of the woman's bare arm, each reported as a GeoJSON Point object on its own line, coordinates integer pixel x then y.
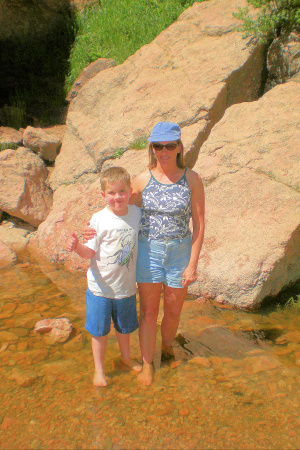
{"type": "Point", "coordinates": [198, 211]}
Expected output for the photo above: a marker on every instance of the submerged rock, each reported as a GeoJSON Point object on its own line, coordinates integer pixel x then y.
{"type": "Point", "coordinates": [55, 330]}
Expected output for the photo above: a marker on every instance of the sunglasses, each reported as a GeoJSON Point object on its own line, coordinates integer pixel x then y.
{"type": "Point", "coordinates": [158, 147]}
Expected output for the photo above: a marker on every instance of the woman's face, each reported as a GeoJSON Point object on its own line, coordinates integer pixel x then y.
{"type": "Point", "coordinates": [166, 152]}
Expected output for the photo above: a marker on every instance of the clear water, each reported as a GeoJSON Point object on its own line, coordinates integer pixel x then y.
{"type": "Point", "coordinates": [234, 382]}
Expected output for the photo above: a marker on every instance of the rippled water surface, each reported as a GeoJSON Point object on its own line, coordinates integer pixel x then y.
{"type": "Point", "coordinates": [234, 382]}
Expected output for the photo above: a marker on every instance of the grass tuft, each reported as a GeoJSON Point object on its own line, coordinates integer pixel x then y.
{"type": "Point", "coordinates": [107, 31]}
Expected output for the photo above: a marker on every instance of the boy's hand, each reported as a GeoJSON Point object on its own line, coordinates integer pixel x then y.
{"type": "Point", "coordinates": [72, 243]}
{"type": "Point", "coordinates": [88, 233]}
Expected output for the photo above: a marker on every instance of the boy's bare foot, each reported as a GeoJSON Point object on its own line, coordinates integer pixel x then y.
{"type": "Point", "coordinates": [99, 378]}
{"type": "Point", "coordinates": [147, 374]}
{"type": "Point", "coordinates": [133, 364]}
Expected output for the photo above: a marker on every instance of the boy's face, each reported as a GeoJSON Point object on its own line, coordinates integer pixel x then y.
{"type": "Point", "coordinates": [117, 196]}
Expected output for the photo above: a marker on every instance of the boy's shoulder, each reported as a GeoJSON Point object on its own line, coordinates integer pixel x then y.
{"type": "Point", "coordinates": [100, 213]}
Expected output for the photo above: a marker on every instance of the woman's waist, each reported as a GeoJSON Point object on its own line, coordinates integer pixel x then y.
{"type": "Point", "coordinates": [166, 239]}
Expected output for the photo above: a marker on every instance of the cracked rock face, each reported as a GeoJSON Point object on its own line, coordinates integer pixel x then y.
{"type": "Point", "coordinates": [251, 165]}
{"type": "Point", "coordinates": [189, 74]}
{"type": "Point", "coordinates": [199, 73]}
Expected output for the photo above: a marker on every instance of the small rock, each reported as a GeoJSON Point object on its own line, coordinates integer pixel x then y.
{"type": "Point", "coordinates": [7, 422]}
{"type": "Point", "coordinates": [75, 344]}
{"type": "Point", "coordinates": [201, 361]}
{"type": "Point", "coordinates": [24, 379]}
{"type": "Point", "coordinates": [7, 336]}
{"type": "Point", "coordinates": [24, 308]}
{"type": "Point", "coordinates": [263, 363]}
{"type": "Point", "coordinates": [55, 330]}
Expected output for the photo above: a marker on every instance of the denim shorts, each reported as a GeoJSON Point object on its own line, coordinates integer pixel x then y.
{"type": "Point", "coordinates": [163, 260]}
{"type": "Point", "coordinates": [101, 310]}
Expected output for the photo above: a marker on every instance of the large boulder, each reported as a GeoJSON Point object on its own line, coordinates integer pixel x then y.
{"type": "Point", "coordinates": [10, 136]}
{"type": "Point", "coordinates": [15, 234]}
{"type": "Point", "coordinates": [250, 164]}
{"type": "Point", "coordinates": [73, 206]}
{"type": "Point", "coordinates": [23, 189]}
{"type": "Point", "coordinates": [89, 72]}
{"type": "Point", "coordinates": [7, 256]}
{"type": "Point", "coordinates": [189, 74]}
{"type": "Point", "coordinates": [44, 142]}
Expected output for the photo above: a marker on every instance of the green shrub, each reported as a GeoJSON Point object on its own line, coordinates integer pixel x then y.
{"type": "Point", "coordinates": [8, 145]}
{"type": "Point", "coordinates": [139, 144]}
{"type": "Point", "coordinates": [118, 153]}
{"type": "Point", "coordinates": [274, 18]}
{"type": "Point", "coordinates": [105, 30]}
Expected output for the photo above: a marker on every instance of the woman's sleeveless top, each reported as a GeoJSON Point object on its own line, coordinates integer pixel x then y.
{"type": "Point", "coordinates": [166, 209]}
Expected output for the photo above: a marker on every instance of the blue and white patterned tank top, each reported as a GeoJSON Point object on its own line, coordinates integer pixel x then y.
{"type": "Point", "coordinates": [166, 209]}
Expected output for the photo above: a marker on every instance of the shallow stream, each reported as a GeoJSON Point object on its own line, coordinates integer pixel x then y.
{"type": "Point", "coordinates": [234, 382]}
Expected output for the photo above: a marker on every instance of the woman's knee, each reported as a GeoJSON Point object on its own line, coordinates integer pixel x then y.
{"type": "Point", "coordinates": [148, 314]}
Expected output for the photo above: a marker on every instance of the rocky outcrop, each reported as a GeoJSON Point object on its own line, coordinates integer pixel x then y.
{"type": "Point", "coordinates": [10, 136]}
{"type": "Point", "coordinates": [73, 206]}
{"type": "Point", "coordinates": [7, 256]}
{"type": "Point", "coordinates": [89, 72]}
{"type": "Point", "coordinates": [23, 189]}
{"type": "Point", "coordinates": [283, 59]}
{"type": "Point", "coordinates": [189, 74]}
{"type": "Point", "coordinates": [46, 143]}
{"type": "Point", "coordinates": [16, 234]}
{"type": "Point", "coordinates": [203, 75]}
{"type": "Point", "coordinates": [251, 166]}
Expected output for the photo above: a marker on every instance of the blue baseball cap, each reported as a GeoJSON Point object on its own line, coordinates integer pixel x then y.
{"type": "Point", "coordinates": [165, 131]}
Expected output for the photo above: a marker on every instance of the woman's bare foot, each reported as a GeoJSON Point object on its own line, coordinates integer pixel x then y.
{"type": "Point", "coordinates": [133, 364]}
{"type": "Point", "coordinates": [147, 374]}
{"type": "Point", "coordinates": [167, 354]}
{"type": "Point", "coordinates": [99, 378]}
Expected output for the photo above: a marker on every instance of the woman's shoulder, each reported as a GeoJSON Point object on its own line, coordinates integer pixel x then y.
{"type": "Point", "coordinates": [193, 178]}
{"type": "Point", "coordinates": [141, 179]}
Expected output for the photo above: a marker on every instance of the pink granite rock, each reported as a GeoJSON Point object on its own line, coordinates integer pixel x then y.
{"type": "Point", "coordinates": [58, 330]}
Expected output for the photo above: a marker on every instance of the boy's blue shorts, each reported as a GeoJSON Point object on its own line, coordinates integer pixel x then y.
{"type": "Point", "coordinates": [163, 261]}
{"type": "Point", "coordinates": [101, 310]}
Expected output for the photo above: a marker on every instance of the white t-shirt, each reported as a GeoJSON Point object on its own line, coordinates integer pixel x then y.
{"type": "Point", "coordinates": [113, 268]}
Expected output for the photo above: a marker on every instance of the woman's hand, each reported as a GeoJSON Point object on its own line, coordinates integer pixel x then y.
{"type": "Point", "coordinates": [72, 243]}
{"type": "Point", "coordinates": [88, 233]}
{"type": "Point", "coordinates": [189, 276]}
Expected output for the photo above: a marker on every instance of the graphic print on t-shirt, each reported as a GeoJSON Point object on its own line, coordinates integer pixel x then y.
{"type": "Point", "coordinates": [123, 256]}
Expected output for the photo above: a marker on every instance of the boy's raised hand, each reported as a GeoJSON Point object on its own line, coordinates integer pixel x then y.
{"type": "Point", "coordinates": [72, 243]}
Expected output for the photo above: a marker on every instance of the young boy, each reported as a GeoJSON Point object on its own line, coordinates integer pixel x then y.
{"type": "Point", "coordinates": [111, 276]}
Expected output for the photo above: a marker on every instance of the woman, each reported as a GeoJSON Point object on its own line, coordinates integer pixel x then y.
{"type": "Point", "coordinates": [169, 195]}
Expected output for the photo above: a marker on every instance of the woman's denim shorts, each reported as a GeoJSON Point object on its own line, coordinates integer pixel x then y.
{"type": "Point", "coordinates": [163, 261]}
{"type": "Point", "coordinates": [101, 310]}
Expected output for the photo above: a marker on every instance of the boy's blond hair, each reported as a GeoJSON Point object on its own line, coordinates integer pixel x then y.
{"type": "Point", "coordinates": [114, 174]}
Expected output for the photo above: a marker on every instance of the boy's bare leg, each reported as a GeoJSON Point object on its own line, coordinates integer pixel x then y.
{"type": "Point", "coordinates": [99, 347]}
{"type": "Point", "coordinates": [124, 344]}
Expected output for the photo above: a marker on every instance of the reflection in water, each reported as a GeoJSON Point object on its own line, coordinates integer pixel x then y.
{"type": "Point", "coordinates": [233, 383]}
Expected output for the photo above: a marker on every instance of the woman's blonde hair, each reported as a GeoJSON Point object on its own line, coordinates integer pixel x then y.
{"type": "Point", "coordinates": [179, 160]}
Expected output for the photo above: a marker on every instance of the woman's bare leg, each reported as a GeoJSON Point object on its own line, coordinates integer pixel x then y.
{"type": "Point", "coordinates": [98, 348]}
{"type": "Point", "coordinates": [173, 302]}
{"type": "Point", "coordinates": [149, 294]}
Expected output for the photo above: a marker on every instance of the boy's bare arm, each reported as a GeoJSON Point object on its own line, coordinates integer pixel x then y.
{"type": "Point", "coordinates": [81, 250]}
